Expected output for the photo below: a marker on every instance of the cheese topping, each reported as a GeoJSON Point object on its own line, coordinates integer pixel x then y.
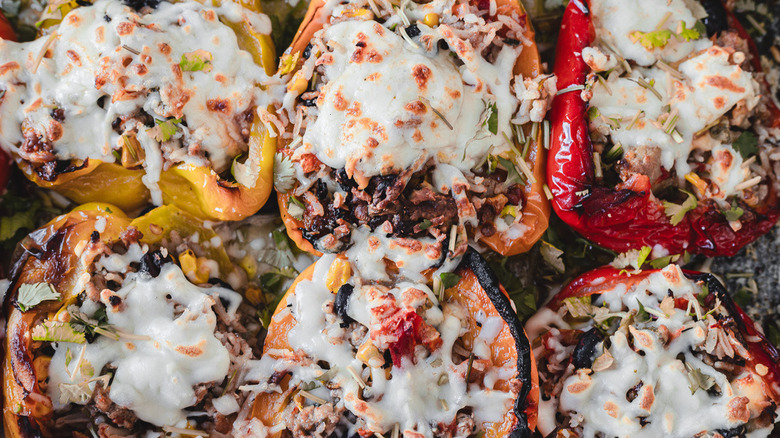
{"type": "Point", "coordinates": [617, 20]}
{"type": "Point", "coordinates": [657, 376]}
{"type": "Point", "coordinates": [377, 112]}
{"type": "Point", "coordinates": [172, 84]}
{"type": "Point", "coordinates": [167, 346]}
{"type": "Point", "coordinates": [425, 390]}
{"type": "Point", "coordinates": [680, 86]}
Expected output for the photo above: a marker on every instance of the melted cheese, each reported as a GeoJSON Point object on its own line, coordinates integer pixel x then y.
{"type": "Point", "coordinates": [377, 109]}
{"type": "Point", "coordinates": [412, 397]}
{"type": "Point", "coordinates": [711, 86]}
{"type": "Point", "coordinates": [598, 401]}
{"type": "Point", "coordinates": [95, 77]}
{"type": "Point", "coordinates": [154, 377]}
{"type": "Point", "coordinates": [616, 20]}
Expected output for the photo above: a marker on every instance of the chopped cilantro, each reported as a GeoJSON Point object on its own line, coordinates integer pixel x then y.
{"type": "Point", "coordinates": [166, 129]}
{"type": "Point", "coordinates": [448, 280]}
{"type": "Point", "coordinates": [734, 213]}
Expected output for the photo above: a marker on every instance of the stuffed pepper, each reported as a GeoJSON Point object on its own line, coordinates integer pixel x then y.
{"type": "Point", "coordinates": [110, 335]}
{"type": "Point", "coordinates": [127, 102]}
{"type": "Point", "coordinates": [344, 358]}
{"type": "Point", "coordinates": [652, 353]}
{"type": "Point", "coordinates": [418, 123]}
{"type": "Point", "coordinates": [664, 131]}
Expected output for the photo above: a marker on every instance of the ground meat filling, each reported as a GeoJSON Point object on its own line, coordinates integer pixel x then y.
{"type": "Point", "coordinates": [403, 206]}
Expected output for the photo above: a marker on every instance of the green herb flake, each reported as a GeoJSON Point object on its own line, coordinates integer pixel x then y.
{"type": "Point", "coordinates": [746, 144]}
{"type": "Point", "coordinates": [593, 113]}
{"type": "Point", "coordinates": [641, 313]}
{"type": "Point", "coordinates": [733, 214]}
{"type": "Point", "coordinates": [642, 257]}
{"type": "Point", "coordinates": [677, 212]}
{"type": "Point", "coordinates": [56, 331]}
{"type": "Point", "coordinates": [491, 121]}
{"type": "Point", "coordinates": [553, 256]}
{"type": "Point", "coordinates": [425, 224]}
{"type": "Point", "coordinates": [578, 307]}
{"type": "Point", "coordinates": [652, 40]}
{"type": "Point", "coordinates": [68, 356]}
{"type": "Point", "coordinates": [698, 380]}
{"type": "Point", "coordinates": [166, 129]}
{"type": "Point", "coordinates": [513, 176]}
{"type": "Point", "coordinates": [30, 295]}
{"type": "Point", "coordinates": [689, 34]}
{"type": "Point", "coordinates": [199, 60]}
{"type": "Point", "coordinates": [448, 280]}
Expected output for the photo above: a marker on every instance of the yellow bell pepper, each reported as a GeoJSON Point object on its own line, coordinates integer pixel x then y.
{"type": "Point", "coordinates": [198, 190]}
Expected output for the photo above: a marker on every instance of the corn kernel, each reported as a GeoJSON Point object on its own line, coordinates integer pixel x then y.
{"type": "Point", "coordinates": [370, 355]}
{"type": "Point", "coordinates": [431, 19]}
{"type": "Point", "coordinates": [194, 268]}
{"type": "Point", "coordinates": [298, 83]}
{"type": "Point", "coordinates": [339, 273]}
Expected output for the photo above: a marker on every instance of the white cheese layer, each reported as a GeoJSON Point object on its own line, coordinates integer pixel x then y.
{"type": "Point", "coordinates": [107, 62]}
{"type": "Point", "coordinates": [416, 396]}
{"type": "Point", "coordinates": [616, 20]}
{"type": "Point", "coordinates": [377, 108]}
{"type": "Point", "coordinates": [663, 403]}
{"type": "Point", "coordinates": [173, 348]}
{"type": "Point", "coordinates": [711, 86]}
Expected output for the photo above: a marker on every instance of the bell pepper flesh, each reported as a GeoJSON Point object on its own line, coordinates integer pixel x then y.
{"type": "Point", "coordinates": [536, 210]}
{"type": "Point", "coordinates": [630, 217]}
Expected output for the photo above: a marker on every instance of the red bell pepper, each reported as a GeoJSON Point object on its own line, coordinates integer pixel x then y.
{"type": "Point", "coordinates": [628, 217]}
{"type": "Point", "coordinates": [762, 352]}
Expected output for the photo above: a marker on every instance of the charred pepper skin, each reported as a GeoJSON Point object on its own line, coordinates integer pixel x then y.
{"type": "Point", "coordinates": [627, 218]}
{"type": "Point", "coordinates": [760, 350]}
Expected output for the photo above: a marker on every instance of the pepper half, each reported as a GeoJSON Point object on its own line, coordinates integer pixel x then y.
{"type": "Point", "coordinates": [478, 292]}
{"type": "Point", "coordinates": [536, 209]}
{"type": "Point", "coordinates": [198, 190]}
{"type": "Point", "coordinates": [758, 355]}
{"type": "Point", "coordinates": [52, 255]}
{"type": "Point", "coordinates": [630, 217]}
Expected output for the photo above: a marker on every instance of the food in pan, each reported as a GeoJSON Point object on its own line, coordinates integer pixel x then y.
{"type": "Point", "coordinates": [344, 357]}
{"type": "Point", "coordinates": [652, 353]}
{"type": "Point", "coordinates": [414, 124]}
{"type": "Point", "coordinates": [664, 131]}
{"type": "Point", "coordinates": [107, 335]}
{"type": "Point", "coordinates": [162, 102]}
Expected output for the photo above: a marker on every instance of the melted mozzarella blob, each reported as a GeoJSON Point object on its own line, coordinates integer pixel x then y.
{"type": "Point", "coordinates": [172, 350]}
{"type": "Point", "coordinates": [377, 112]}
{"type": "Point", "coordinates": [662, 402]}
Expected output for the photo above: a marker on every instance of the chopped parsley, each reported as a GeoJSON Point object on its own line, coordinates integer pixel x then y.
{"type": "Point", "coordinates": [651, 40]}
